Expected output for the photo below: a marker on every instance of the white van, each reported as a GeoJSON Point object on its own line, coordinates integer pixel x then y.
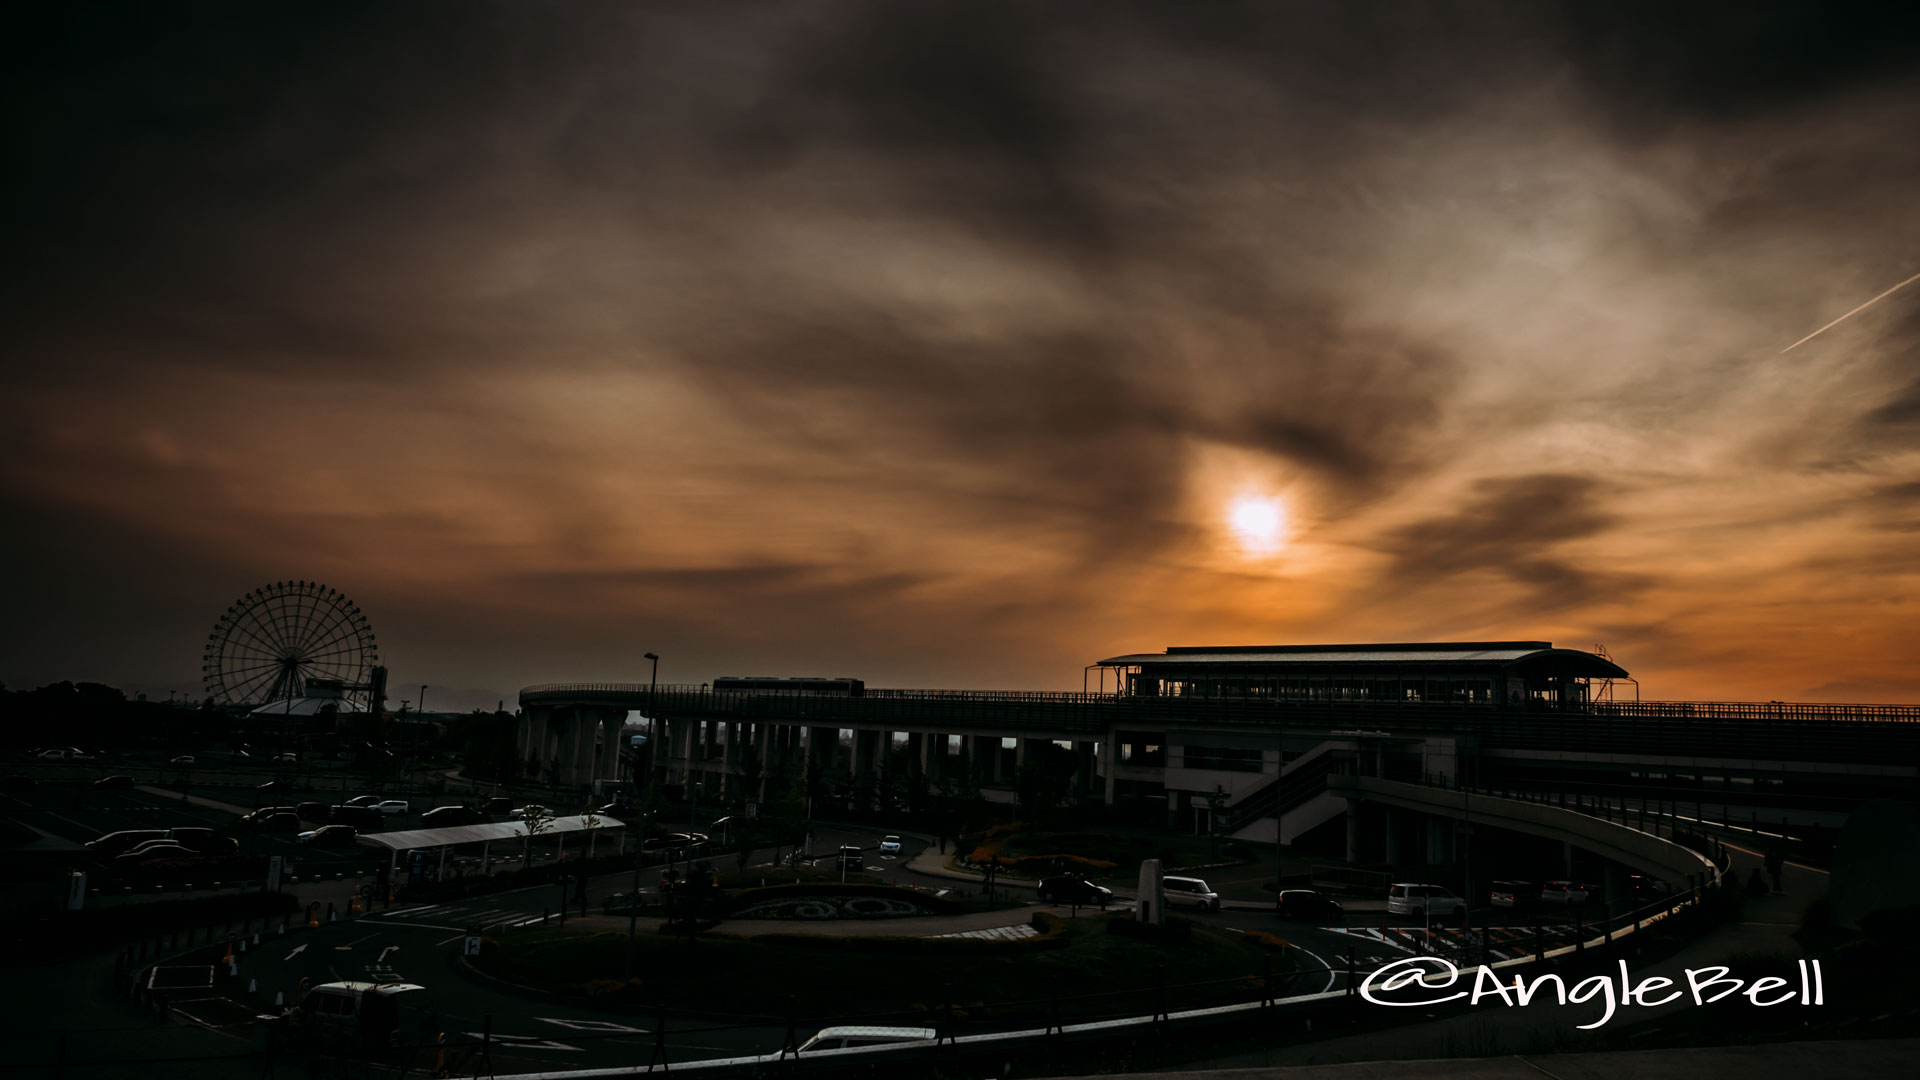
{"type": "Point", "coordinates": [1190, 892]}
{"type": "Point", "coordinates": [1408, 898]}
{"type": "Point", "coordinates": [359, 1016]}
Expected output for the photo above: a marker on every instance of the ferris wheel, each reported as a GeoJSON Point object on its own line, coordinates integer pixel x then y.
{"type": "Point", "coordinates": [272, 640]}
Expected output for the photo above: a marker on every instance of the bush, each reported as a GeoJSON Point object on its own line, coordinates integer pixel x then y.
{"type": "Point", "coordinates": [1267, 940]}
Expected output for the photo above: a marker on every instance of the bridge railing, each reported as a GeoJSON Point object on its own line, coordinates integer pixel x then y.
{"type": "Point", "coordinates": [1883, 734]}
{"type": "Point", "coordinates": [1705, 710]}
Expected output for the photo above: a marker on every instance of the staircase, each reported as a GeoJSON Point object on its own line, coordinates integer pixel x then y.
{"type": "Point", "coordinates": [1301, 780]}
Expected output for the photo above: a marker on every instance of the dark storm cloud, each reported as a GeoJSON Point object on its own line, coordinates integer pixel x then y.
{"type": "Point", "coordinates": [1902, 412]}
{"type": "Point", "coordinates": [907, 292]}
{"type": "Point", "coordinates": [1509, 528]}
{"type": "Point", "coordinates": [941, 85]}
{"type": "Point", "coordinates": [1656, 62]}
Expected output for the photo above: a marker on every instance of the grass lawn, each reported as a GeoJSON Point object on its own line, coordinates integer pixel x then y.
{"type": "Point", "coordinates": [1098, 973]}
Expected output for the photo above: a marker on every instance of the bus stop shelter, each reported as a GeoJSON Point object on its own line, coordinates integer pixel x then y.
{"type": "Point", "coordinates": [443, 840]}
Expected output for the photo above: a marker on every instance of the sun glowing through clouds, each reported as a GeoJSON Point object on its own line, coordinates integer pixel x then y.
{"type": "Point", "coordinates": [1259, 523]}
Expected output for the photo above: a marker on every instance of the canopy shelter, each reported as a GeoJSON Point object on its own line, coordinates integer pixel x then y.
{"type": "Point", "coordinates": [1463, 672]}
{"type": "Point", "coordinates": [560, 826]}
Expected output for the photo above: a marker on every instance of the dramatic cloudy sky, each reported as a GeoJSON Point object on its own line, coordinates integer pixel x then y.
{"type": "Point", "coordinates": [965, 344]}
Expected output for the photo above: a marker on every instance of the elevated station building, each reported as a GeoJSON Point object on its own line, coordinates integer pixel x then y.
{"type": "Point", "coordinates": [1238, 740]}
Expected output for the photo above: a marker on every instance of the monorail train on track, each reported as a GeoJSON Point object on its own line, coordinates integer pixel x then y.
{"type": "Point", "coordinates": [809, 687]}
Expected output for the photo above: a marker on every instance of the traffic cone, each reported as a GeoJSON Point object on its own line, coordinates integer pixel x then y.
{"type": "Point", "coordinates": [256, 939]}
{"type": "Point", "coordinates": [253, 986]}
{"type": "Point", "coordinates": [280, 999]}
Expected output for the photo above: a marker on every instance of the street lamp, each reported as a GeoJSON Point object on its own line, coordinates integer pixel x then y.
{"type": "Point", "coordinates": [639, 743]}
{"type": "Point", "coordinates": [653, 719]}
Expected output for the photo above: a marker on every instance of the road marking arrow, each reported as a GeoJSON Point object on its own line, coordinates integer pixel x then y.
{"type": "Point", "coordinates": [384, 952]}
{"type": "Point", "coordinates": [297, 950]}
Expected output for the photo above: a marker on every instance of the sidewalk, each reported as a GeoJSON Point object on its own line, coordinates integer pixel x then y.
{"type": "Point", "coordinates": [1766, 927]}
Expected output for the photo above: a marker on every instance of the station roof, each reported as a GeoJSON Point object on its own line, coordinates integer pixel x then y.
{"type": "Point", "coordinates": [1381, 655]}
{"type": "Point", "coordinates": [410, 839]}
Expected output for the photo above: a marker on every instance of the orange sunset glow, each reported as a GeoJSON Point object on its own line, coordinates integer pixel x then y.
{"type": "Point", "coordinates": [946, 350]}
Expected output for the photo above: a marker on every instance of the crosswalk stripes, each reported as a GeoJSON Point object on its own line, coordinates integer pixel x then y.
{"type": "Point", "coordinates": [466, 916]}
{"type": "Point", "coordinates": [998, 933]}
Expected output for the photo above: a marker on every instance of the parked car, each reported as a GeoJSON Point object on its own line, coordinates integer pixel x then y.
{"type": "Point", "coordinates": [889, 845]}
{"type": "Point", "coordinates": [839, 1038]}
{"type": "Point", "coordinates": [1074, 889]}
{"type": "Point", "coordinates": [362, 800]}
{"type": "Point", "coordinates": [521, 813]}
{"type": "Point", "coordinates": [314, 811]}
{"type": "Point", "coordinates": [119, 843]}
{"type": "Point", "coordinates": [441, 817]}
{"type": "Point", "coordinates": [618, 810]}
{"type": "Point", "coordinates": [1190, 892]}
{"type": "Point", "coordinates": [1407, 898]}
{"type": "Point", "coordinates": [1514, 895]}
{"type": "Point", "coordinates": [203, 840]}
{"type": "Point", "coordinates": [365, 817]}
{"type": "Point", "coordinates": [1308, 906]}
{"type": "Point", "coordinates": [392, 806]}
{"type": "Point", "coordinates": [183, 759]}
{"type": "Point", "coordinates": [1647, 889]}
{"type": "Point", "coordinates": [256, 817]}
{"type": "Point", "coordinates": [65, 753]}
{"type": "Point", "coordinates": [283, 821]}
{"type": "Point", "coordinates": [155, 849]}
{"type": "Point", "coordinates": [114, 782]}
{"type": "Point", "coordinates": [286, 759]}
{"type": "Point", "coordinates": [359, 1016]}
{"type": "Point", "coordinates": [331, 836]}
{"type": "Point", "coordinates": [1566, 893]}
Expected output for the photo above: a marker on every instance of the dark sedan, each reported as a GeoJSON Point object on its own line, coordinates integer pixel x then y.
{"type": "Point", "coordinates": [330, 836]}
{"type": "Point", "coordinates": [1070, 889]}
{"type": "Point", "coordinates": [1309, 906]}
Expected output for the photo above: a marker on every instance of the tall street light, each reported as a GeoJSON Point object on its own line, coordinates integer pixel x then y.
{"type": "Point", "coordinates": [654, 727]}
{"type": "Point", "coordinates": [641, 748]}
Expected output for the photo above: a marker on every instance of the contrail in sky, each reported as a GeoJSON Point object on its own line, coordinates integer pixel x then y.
{"type": "Point", "coordinates": [1850, 314]}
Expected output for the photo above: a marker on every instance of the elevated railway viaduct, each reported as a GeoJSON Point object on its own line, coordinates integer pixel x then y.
{"type": "Point", "coordinates": [1245, 738]}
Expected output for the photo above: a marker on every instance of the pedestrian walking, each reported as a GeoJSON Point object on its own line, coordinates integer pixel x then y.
{"type": "Point", "coordinates": [1774, 865]}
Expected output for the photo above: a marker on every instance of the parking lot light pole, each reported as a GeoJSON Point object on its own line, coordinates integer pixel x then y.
{"type": "Point", "coordinates": [653, 718]}
{"type": "Point", "coordinates": [639, 847]}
